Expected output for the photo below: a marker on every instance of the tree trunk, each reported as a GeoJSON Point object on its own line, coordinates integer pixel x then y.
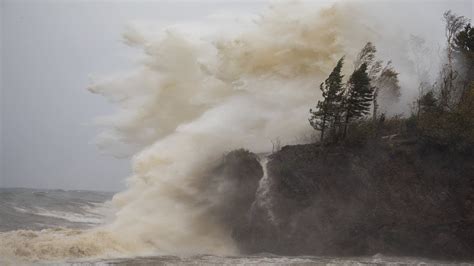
{"type": "Point", "coordinates": [376, 106]}
{"type": "Point", "coordinates": [346, 122]}
{"type": "Point", "coordinates": [323, 128]}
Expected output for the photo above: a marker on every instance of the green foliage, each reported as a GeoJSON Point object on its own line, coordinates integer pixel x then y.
{"type": "Point", "coordinates": [392, 125]}
{"type": "Point", "coordinates": [361, 132]}
{"type": "Point", "coordinates": [443, 117]}
{"type": "Point", "coordinates": [449, 90]}
{"type": "Point", "coordinates": [359, 94]}
{"type": "Point", "coordinates": [364, 131]}
{"type": "Point", "coordinates": [342, 105]}
{"type": "Point", "coordinates": [383, 79]}
{"type": "Point", "coordinates": [464, 41]}
{"type": "Point", "coordinates": [411, 125]}
{"type": "Point", "coordinates": [463, 46]}
{"type": "Point", "coordinates": [429, 103]}
{"type": "Point", "coordinates": [328, 109]}
{"type": "Point", "coordinates": [452, 130]}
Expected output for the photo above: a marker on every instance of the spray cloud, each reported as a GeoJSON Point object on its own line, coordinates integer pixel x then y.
{"type": "Point", "coordinates": [193, 99]}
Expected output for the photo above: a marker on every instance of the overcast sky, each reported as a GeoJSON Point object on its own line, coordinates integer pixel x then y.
{"type": "Point", "coordinates": [49, 49]}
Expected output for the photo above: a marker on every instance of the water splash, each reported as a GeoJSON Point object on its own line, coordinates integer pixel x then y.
{"type": "Point", "coordinates": [192, 100]}
{"type": "Point", "coordinates": [263, 199]}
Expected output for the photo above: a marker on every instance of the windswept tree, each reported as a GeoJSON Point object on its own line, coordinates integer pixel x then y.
{"type": "Point", "coordinates": [453, 25]}
{"type": "Point", "coordinates": [422, 62]}
{"type": "Point", "coordinates": [382, 79]}
{"type": "Point", "coordinates": [366, 55]}
{"type": "Point", "coordinates": [328, 109]}
{"type": "Point", "coordinates": [463, 47]}
{"type": "Point", "coordinates": [464, 41]}
{"type": "Point", "coordinates": [385, 82]}
{"type": "Point", "coordinates": [359, 96]}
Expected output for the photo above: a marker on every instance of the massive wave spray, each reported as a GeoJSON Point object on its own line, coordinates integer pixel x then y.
{"type": "Point", "coordinates": [192, 100]}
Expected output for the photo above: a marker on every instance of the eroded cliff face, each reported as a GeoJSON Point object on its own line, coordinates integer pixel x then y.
{"type": "Point", "coordinates": [232, 186]}
{"type": "Point", "coordinates": [393, 198]}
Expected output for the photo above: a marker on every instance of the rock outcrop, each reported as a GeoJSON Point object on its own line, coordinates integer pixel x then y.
{"type": "Point", "coordinates": [394, 198]}
{"type": "Point", "coordinates": [231, 187]}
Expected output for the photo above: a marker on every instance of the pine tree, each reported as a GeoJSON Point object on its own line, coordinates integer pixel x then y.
{"type": "Point", "coordinates": [382, 79]}
{"type": "Point", "coordinates": [463, 46]}
{"type": "Point", "coordinates": [359, 96]}
{"type": "Point", "coordinates": [428, 103]}
{"type": "Point", "coordinates": [328, 109]}
{"type": "Point", "coordinates": [464, 41]}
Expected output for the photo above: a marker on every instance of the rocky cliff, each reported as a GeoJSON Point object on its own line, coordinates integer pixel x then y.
{"type": "Point", "coordinates": [394, 197]}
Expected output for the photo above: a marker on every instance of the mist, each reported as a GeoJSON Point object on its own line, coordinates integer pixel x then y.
{"type": "Point", "coordinates": [51, 52]}
{"type": "Point", "coordinates": [205, 79]}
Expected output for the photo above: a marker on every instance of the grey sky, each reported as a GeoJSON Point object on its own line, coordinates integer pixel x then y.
{"type": "Point", "coordinates": [48, 51]}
